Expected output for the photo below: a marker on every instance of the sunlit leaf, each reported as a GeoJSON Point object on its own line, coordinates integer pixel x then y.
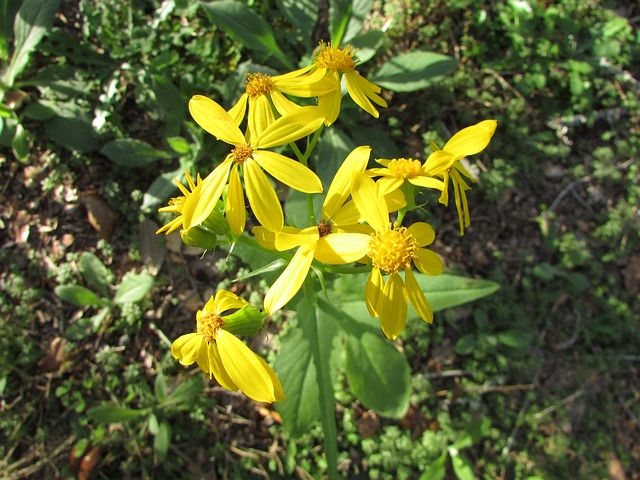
{"type": "Point", "coordinates": [413, 71]}
{"type": "Point", "coordinates": [94, 272]}
{"type": "Point", "coordinates": [114, 414]}
{"type": "Point", "coordinates": [133, 288]}
{"type": "Point", "coordinates": [130, 152]}
{"type": "Point", "coordinates": [78, 295]}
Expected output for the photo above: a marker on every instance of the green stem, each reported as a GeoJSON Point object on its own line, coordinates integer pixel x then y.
{"type": "Point", "coordinates": [303, 158]}
{"type": "Point", "coordinates": [325, 388]}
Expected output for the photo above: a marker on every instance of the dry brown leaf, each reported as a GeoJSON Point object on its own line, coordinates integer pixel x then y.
{"type": "Point", "coordinates": [52, 361]}
{"type": "Point", "coordinates": [22, 227]}
{"type": "Point", "coordinates": [100, 214]}
{"type": "Point", "coordinates": [152, 246]}
{"type": "Point", "coordinates": [616, 470]}
{"type": "Point", "coordinates": [368, 424]}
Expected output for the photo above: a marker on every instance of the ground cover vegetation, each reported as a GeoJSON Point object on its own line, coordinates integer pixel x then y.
{"type": "Point", "coordinates": [538, 380]}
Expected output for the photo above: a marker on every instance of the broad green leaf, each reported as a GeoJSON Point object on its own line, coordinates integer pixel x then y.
{"type": "Point", "coordinates": [77, 295]}
{"type": "Point", "coordinates": [8, 11]}
{"type": "Point", "coordinates": [74, 133]}
{"type": "Point", "coordinates": [39, 111]}
{"type": "Point", "coordinates": [308, 385]}
{"type": "Point", "coordinates": [115, 414]}
{"type": "Point", "coordinates": [20, 144]}
{"type": "Point", "coordinates": [360, 11]}
{"type": "Point", "coordinates": [95, 273]}
{"type": "Point", "coordinates": [302, 14]}
{"type": "Point", "coordinates": [462, 467]}
{"type": "Point", "coordinates": [130, 152]}
{"type": "Point", "coordinates": [153, 424]}
{"type": "Point", "coordinates": [442, 291]}
{"type": "Point", "coordinates": [184, 394]}
{"type": "Point", "coordinates": [179, 145]}
{"type": "Point", "coordinates": [437, 470]}
{"type": "Point", "coordinates": [466, 344]}
{"type": "Point", "coordinates": [85, 326]}
{"type": "Point", "coordinates": [247, 27]}
{"type": "Point", "coordinates": [160, 387]}
{"type": "Point", "coordinates": [30, 25]}
{"type": "Point", "coordinates": [162, 440]}
{"type": "Point", "coordinates": [367, 44]}
{"type": "Point", "coordinates": [297, 372]}
{"type": "Point", "coordinates": [378, 374]}
{"type": "Point", "coordinates": [169, 99]}
{"type": "Point", "coordinates": [413, 71]}
{"type": "Point", "coordinates": [162, 189]}
{"type": "Point", "coordinates": [472, 434]}
{"type": "Point", "coordinates": [515, 338]}
{"type": "Point", "coordinates": [133, 288]}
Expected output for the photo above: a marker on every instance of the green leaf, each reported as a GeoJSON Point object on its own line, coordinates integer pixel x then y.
{"type": "Point", "coordinates": [74, 133]}
{"type": "Point", "coordinates": [515, 338]}
{"type": "Point", "coordinates": [466, 344]}
{"type": "Point", "coordinates": [437, 470]}
{"type": "Point", "coordinates": [169, 99]}
{"type": "Point", "coordinates": [339, 14]}
{"type": "Point", "coordinates": [360, 11]}
{"type": "Point", "coordinates": [367, 44]}
{"type": "Point", "coordinates": [133, 288]}
{"type": "Point", "coordinates": [85, 326]}
{"type": "Point", "coordinates": [39, 111]}
{"type": "Point", "coordinates": [462, 467]}
{"type": "Point", "coordinates": [183, 395]}
{"type": "Point", "coordinates": [95, 273]}
{"type": "Point", "coordinates": [302, 14]}
{"type": "Point", "coordinates": [31, 24]}
{"type": "Point", "coordinates": [161, 189]}
{"type": "Point", "coordinates": [160, 387]}
{"type": "Point", "coordinates": [413, 71]}
{"type": "Point", "coordinates": [115, 414]}
{"type": "Point", "coordinates": [247, 27]}
{"type": "Point", "coordinates": [298, 372]}
{"type": "Point", "coordinates": [77, 295]}
{"type": "Point", "coordinates": [20, 144]}
{"type": "Point", "coordinates": [472, 434]}
{"type": "Point", "coordinates": [130, 152]}
{"type": "Point", "coordinates": [153, 424]}
{"type": "Point", "coordinates": [162, 440]}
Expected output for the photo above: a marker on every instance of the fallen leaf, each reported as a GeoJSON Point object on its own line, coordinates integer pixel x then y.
{"type": "Point", "coordinates": [616, 470]}
{"type": "Point", "coordinates": [52, 361]}
{"type": "Point", "coordinates": [22, 227]}
{"type": "Point", "coordinates": [100, 214]}
{"type": "Point", "coordinates": [368, 424]}
{"type": "Point", "coordinates": [632, 276]}
{"type": "Point", "coordinates": [152, 247]}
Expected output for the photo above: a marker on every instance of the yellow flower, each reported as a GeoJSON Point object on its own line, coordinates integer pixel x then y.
{"type": "Point", "coordinates": [393, 249]}
{"type": "Point", "coordinates": [398, 170]}
{"type": "Point", "coordinates": [445, 163]}
{"type": "Point", "coordinates": [249, 157]}
{"type": "Point", "coordinates": [336, 239]}
{"type": "Point", "coordinates": [263, 93]}
{"type": "Point", "coordinates": [176, 204]}
{"type": "Point", "coordinates": [221, 354]}
{"type": "Point", "coordinates": [333, 62]}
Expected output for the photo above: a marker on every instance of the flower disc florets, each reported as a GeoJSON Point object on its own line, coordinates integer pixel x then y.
{"type": "Point", "coordinates": [336, 59]}
{"type": "Point", "coordinates": [242, 153]}
{"type": "Point", "coordinates": [324, 228]}
{"type": "Point", "coordinates": [258, 84]}
{"type": "Point", "coordinates": [405, 167]}
{"type": "Point", "coordinates": [208, 325]}
{"type": "Point", "coordinates": [392, 250]}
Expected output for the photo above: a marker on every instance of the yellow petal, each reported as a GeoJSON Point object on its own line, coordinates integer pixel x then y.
{"type": "Point", "coordinates": [265, 237]}
{"type": "Point", "coordinates": [360, 91]}
{"type": "Point", "coordinates": [366, 199]}
{"type": "Point", "coordinates": [387, 185]}
{"type": "Point", "coordinates": [416, 297]}
{"type": "Point", "coordinates": [290, 127]}
{"type": "Point", "coordinates": [185, 349]}
{"type": "Point", "coordinates": [289, 237]}
{"type": "Point", "coordinates": [288, 171]}
{"type": "Point", "coordinates": [217, 368]}
{"type": "Point", "coordinates": [215, 120]}
{"type": "Point", "coordinates": [438, 162]}
{"type": "Point", "coordinates": [236, 212]}
{"type": "Point", "coordinates": [339, 189]}
{"type": "Point", "coordinates": [373, 291]}
{"type": "Point", "coordinates": [226, 300]}
{"type": "Point", "coordinates": [427, 182]}
{"type": "Point", "coordinates": [245, 368]}
{"type": "Point", "coordinates": [392, 307]}
{"type": "Point", "coordinates": [428, 262]}
{"type": "Point", "coordinates": [341, 248]}
{"type": "Point", "coordinates": [290, 280]}
{"type": "Point", "coordinates": [283, 104]}
{"type": "Point", "coordinates": [262, 197]}
{"type": "Point", "coordinates": [277, 386]}
{"type": "Point", "coordinates": [330, 105]}
{"type": "Point", "coordinates": [471, 140]}
{"type": "Point", "coordinates": [238, 111]}
{"type": "Point", "coordinates": [422, 232]}
{"type": "Point", "coordinates": [203, 199]}
{"type": "Point", "coordinates": [260, 115]}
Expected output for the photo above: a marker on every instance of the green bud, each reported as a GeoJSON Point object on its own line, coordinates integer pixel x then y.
{"type": "Point", "coordinates": [216, 222]}
{"type": "Point", "coordinates": [199, 237]}
{"type": "Point", "coordinates": [246, 321]}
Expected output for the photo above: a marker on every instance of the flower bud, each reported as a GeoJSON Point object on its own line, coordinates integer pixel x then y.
{"type": "Point", "coordinates": [246, 321]}
{"type": "Point", "coordinates": [216, 222]}
{"type": "Point", "coordinates": [199, 237]}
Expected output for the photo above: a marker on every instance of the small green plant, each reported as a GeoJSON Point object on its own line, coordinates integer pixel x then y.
{"type": "Point", "coordinates": [132, 289]}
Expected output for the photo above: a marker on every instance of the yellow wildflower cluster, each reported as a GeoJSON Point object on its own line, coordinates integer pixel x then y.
{"type": "Point", "coordinates": [361, 218]}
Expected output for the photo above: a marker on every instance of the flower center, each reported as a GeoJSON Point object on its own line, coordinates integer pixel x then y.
{"type": "Point", "coordinates": [208, 325]}
{"type": "Point", "coordinates": [336, 59]}
{"type": "Point", "coordinates": [324, 228]}
{"type": "Point", "coordinates": [242, 153]}
{"type": "Point", "coordinates": [393, 249]}
{"type": "Point", "coordinates": [258, 84]}
{"type": "Point", "coordinates": [405, 167]}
